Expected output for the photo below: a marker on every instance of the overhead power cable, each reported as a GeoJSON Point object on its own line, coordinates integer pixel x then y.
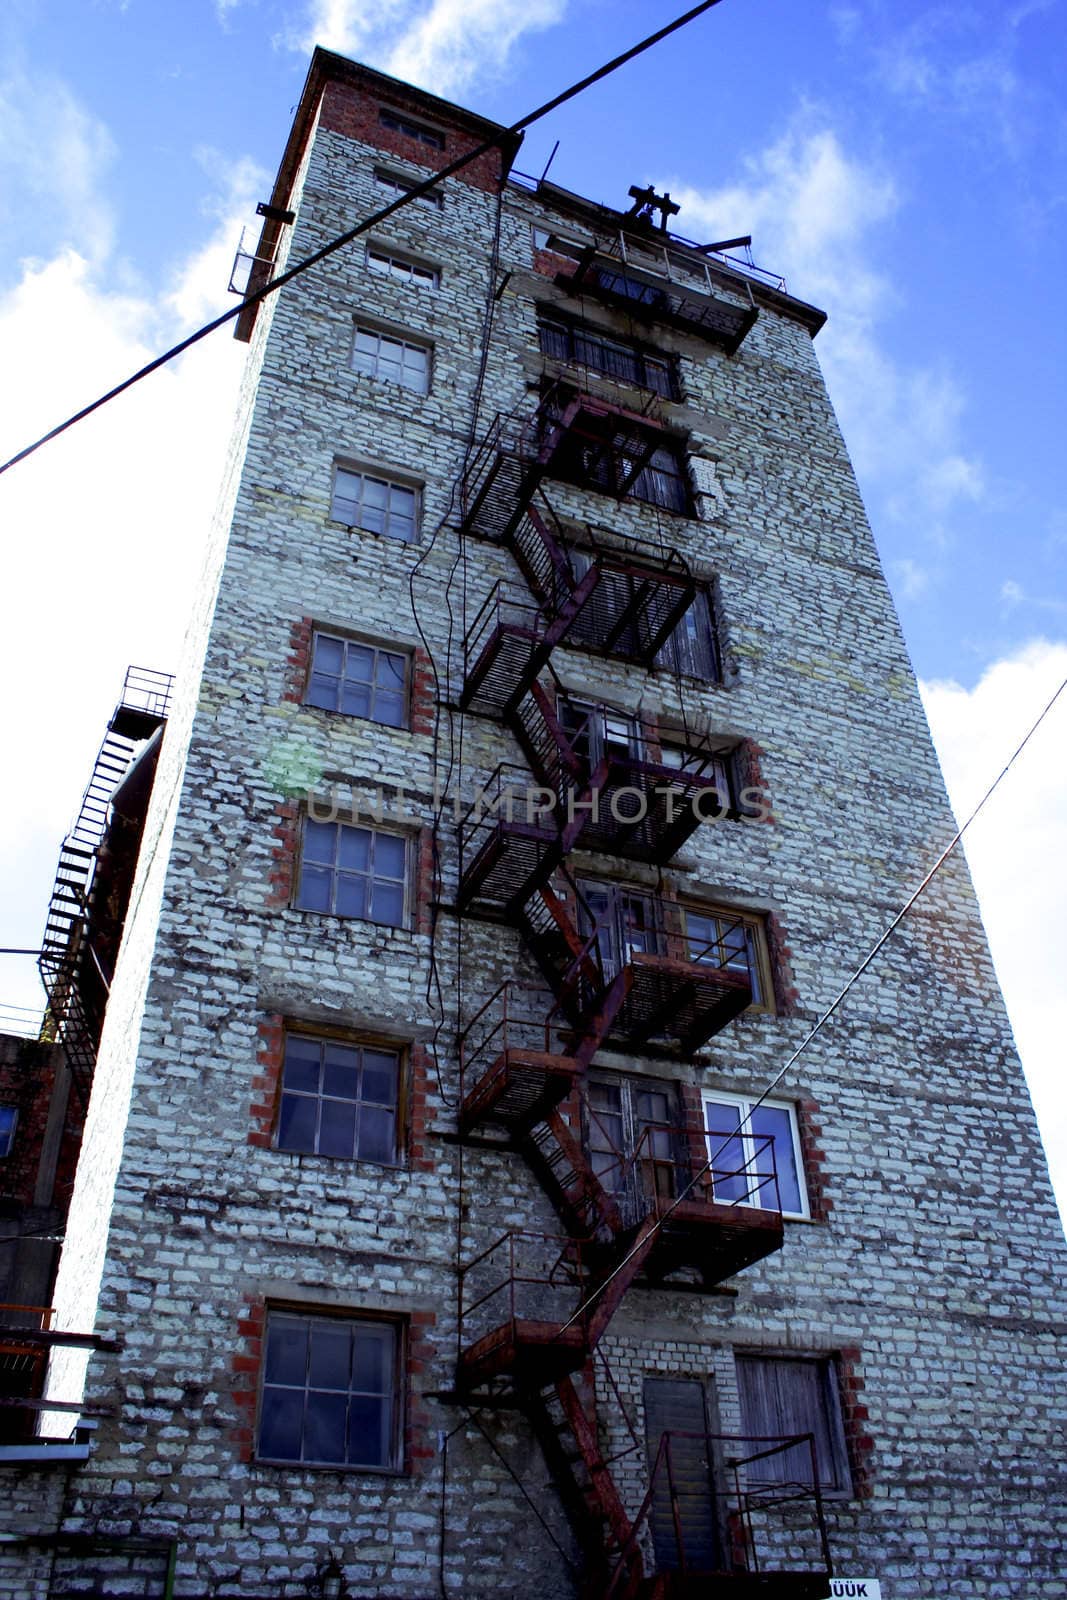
{"type": "Point", "coordinates": [817, 1026]}
{"type": "Point", "coordinates": [342, 239]}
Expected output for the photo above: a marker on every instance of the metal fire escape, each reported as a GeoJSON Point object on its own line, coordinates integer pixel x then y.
{"type": "Point", "coordinates": [76, 975]}
{"type": "Point", "coordinates": [534, 1309]}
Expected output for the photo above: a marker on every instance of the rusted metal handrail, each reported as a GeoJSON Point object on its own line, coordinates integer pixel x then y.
{"type": "Point", "coordinates": [497, 1026]}
{"type": "Point", "coordinates": [745, 1555]}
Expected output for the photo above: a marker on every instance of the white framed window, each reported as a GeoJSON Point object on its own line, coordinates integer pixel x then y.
{"type": "Point", "coordinates": [396, 184]}
{"type": "Point", "coordinates": [392, 265]}
{"type": "Point", "coordinates": [377, 505]}
{"type": "Point", "coordinates": [755, 1153]}
{"type": "Point", "coordinates": [353, 872]}
{"type": "Point", "coordinates": [9, 1116]}
{"type": "Point", "coordinates": [391, 358]}
{"type": "Point", "coordinates": [330, 1394]}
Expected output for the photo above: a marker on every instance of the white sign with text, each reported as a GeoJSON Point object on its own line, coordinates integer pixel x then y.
{"type": "Point", "coordinates": [855, 1589]}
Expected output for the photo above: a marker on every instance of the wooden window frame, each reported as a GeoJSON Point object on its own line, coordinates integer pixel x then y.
{"type": "Point", "coordinates": [388, 262]}
{"type": "Point", "coordinates": [396, 1466]}
{"type": "Point", "coordinates": [374, 832]}
{"type": "Point", "coordinates": [829, 1381]}
{"type": "Point", "coordinates": [754, 923]}
{"type": "Point", "coordinates": [394, 336]}
{"type": "Point", "coordinates": [352, 1040]}
{"type": "Point", "coordinates": [410, 127]}
{"type": "Point", "coordinates": [380, 647]}
{"type": "Point", "coordinates": [370, 474]}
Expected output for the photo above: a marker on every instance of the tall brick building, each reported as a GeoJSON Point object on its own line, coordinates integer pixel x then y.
{"type": "Point", "coordinates": [546, 757]}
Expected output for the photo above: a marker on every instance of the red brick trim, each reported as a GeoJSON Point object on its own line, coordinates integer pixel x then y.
{"type": "Point", "coordinates": [809, 1122]}
{"type": "Point", "coordinates": [266, 1082]}
{"type": "Point", "coordinates": [423, 697]}
{"type": "Point", "coordinates": [548, 264]}
{"type": "Point", "coordinates": [855, 1416]}
{"type": "Point", "coordinates": [786, 993]}
{"type": "Point", "coordinates": [417, 1110]}
{"type": "Point", "coordinates": [348, 110]}
{"type": "Point", "coordinates": [748, 774]}
{"type": "Point", "coordinates": [298, 661]}
{"type": "Point", "coordinates": [286, 833]}
{"type": "Point", "coordinates": [424, 888]}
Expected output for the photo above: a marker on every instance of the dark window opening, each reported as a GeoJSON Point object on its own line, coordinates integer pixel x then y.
{"type": "Point", "coordinates": [330, 1392]}
{"type": "Point", "coordinates": [411, 130]}
{"type": "Point", "coordinates": [614, 358]}
{"type": "Point", "coordinates": [626, 461]}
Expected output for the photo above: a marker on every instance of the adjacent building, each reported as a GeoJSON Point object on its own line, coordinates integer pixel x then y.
{"type": "Point", "coordinates": [545, 760]}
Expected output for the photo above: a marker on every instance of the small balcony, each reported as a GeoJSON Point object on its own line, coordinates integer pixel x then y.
{"type": "Point", "coordinates": [521, 1313]}
{"type": "Point", "coordinates": [515, 1066]}
{"type": "Point", "coordinates": [648, 298]}
{"type": "Point", "coordinates": [716, 1213]}
{"type": "Point", "coordinates": [27, 1335]}
{"type": "Point", "coordinates": [610, 796]}
{"type": "Point", "coordinates": [729, 1515]}
{"type": "Point", "coordinates": [509, 845]}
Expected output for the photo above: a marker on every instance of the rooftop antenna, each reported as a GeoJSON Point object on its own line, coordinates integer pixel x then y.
{"type": "Point", "coordinates": [548, 163]}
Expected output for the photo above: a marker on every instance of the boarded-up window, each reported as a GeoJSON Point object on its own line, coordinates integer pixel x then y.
{"type": "Point", "coordinates": [783, 1396]}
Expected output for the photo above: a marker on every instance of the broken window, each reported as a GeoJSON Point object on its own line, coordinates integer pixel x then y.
{"type": "Point", "coordinates": [623, 459]}
{"type": "Point", "coordinates": [731, 939]}
{"type": "Point", "coordinates": [433, 198]}
{"type": "Point", "coordinates": [330, 1393]}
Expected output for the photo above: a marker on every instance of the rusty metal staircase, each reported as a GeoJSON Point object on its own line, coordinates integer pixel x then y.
{"type": "Point", "coordinates": [75, 981]}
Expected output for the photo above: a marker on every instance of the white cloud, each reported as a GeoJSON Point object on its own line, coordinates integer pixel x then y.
{"type": "Point", "coordinates": [442, 45]}
{"type": "Point", "coordinates": [106, 524]}
{"type": "Point", "coordinates": [1017, 851]}
{"type": "Point", "coordinates": [912, 580]}
{"type": "Point", "coordinates": [812, 205]}
{"type": "Point", "coordinates": [54, 158]}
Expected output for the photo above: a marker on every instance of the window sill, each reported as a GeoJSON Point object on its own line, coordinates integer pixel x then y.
{"type": "Point", "coordinates": [328, 1466]}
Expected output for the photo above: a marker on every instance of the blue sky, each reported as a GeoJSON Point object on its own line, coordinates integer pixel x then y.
{"type": "Point", "coordinates": [904, 165]}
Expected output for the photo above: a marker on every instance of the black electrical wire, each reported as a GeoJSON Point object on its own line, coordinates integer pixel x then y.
{"type": "Point", "coordinates": [343, 239]}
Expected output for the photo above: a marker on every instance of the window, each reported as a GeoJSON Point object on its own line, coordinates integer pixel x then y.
{"type": "Point", "coordinates": [788, 1395]}
{"type": "Point", "coordinates": [9, 1117]}
{"type": "Point", "coordinates": [628, 363]}
{"type": "Point", "coordinates": [727, 938]}
{"type": "Point", "coordinates": [330, 1392]}
{"type": "Point", "coordinates": [377, 505]}
{"type": "Point", "coordinates": [624, 460]}
{"type": "Point", "coordinates": [543, 240]}
{"type": "Point", "coordinates": [359, 680]}
{"type": "Point", "coordinates": [396, 123]}
{"type": "Point", "coordinates": [596, 733]}
{"type": "Point", "coordinates": [631, 1129]}
{"type": "Point", "coordinates": [353, 872]}
{"type": "Point", "coordinates": [745, 1163]}
{"type": "Point", "coordinates": [339, 1099]}
{"type": "Point", "coordinates": [692, 648]}
{"type": "Point", "coordinates": [627, 288]}
{"type": "Point", "coordinates": [702, 763]}
{"type": "Point", "coordinates": [402, 267]}
{"type": "Point", "coordinates": [625, 921]}
{"type": "Point", "coordinates": [398, 185]}
{"type": "Point", "coordinates": [394, 360]}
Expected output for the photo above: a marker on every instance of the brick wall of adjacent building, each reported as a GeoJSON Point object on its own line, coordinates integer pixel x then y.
{"type": "Point", "coordinates": [927, 1271]}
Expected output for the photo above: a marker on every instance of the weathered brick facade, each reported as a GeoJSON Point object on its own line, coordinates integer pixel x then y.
{"type": "Point", "coordinates": [925, 1270]}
